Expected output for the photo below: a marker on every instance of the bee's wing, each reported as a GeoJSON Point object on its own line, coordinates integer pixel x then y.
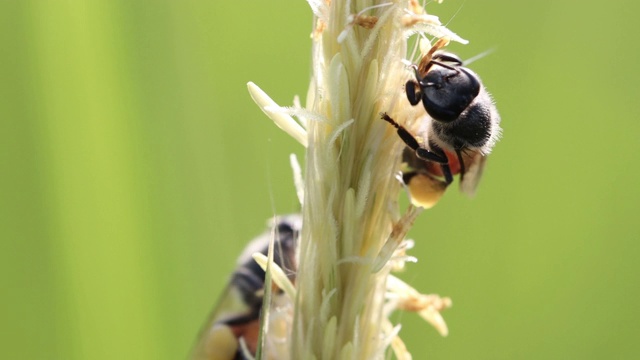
{"type": "Point", "coordinates": [237, 312]}
{"type": "Point", "coordinates": [474, 165]}
{"type": "Point", "coordinates": [218, 338]}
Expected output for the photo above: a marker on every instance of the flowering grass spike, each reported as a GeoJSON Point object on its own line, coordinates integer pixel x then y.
{"type": "Point", "coordinates": [352, 233]}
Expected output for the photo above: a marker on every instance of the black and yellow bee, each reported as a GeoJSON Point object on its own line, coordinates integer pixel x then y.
{"type": "Point", "coordinates": [460, 130]}
{"type": "Point", "coordinates": [237, 314]}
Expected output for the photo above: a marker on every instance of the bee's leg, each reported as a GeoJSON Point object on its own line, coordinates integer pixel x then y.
{"type": "Point", "coordinates": [412, 142]}
{"type": "Point", "coordinates": [432, 155]}
{"type": "Point", "coordinates": [406, 177]}
{"type": "Point", "coordinates": [444, 162]}
{"type": "Point", "coordinates": [446, 171]}
{"type": "Point", "coordinates": [405, 135]}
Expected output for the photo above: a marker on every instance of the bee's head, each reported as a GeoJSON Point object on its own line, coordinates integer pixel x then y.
{"type": "Point", "coordinates": [448, 91]}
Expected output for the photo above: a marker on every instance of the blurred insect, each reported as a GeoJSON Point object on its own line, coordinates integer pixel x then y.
{"type": "Point", "coordinates": [237, 314]}
{"type": "Point", "coordinates": [462, 127]}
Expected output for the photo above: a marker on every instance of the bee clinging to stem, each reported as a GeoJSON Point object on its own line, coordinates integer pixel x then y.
{"type": "Point", "coordinates": [236, 318]}
{"type": "Point", "coordinates": [460, 130]}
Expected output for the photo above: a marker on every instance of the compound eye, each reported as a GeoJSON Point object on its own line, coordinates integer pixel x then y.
{"type": "Point", "coordinates": [448, 92]}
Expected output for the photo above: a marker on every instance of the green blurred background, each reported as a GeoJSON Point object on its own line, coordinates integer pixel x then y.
{"type": "Point", "coordinates": [135, 167]}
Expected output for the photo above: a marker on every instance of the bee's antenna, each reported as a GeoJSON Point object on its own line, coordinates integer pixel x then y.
{"type": "Point", "coordinates": [479, 56]}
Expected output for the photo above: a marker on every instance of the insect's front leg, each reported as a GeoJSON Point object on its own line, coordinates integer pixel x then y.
{"type": "Point", "coordinates": [405, 135]}
{"type": "Point", "coordinates": [411, 141]}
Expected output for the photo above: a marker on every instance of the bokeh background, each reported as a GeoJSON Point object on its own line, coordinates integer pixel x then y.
{"type": "Point", "coordinates": [135, 167]}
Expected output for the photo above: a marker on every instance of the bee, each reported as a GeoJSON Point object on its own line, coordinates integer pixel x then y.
{"type": "Point", "coordinates": [460, 130]}
{"type": "Point", "coordinates": [237, 314]}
